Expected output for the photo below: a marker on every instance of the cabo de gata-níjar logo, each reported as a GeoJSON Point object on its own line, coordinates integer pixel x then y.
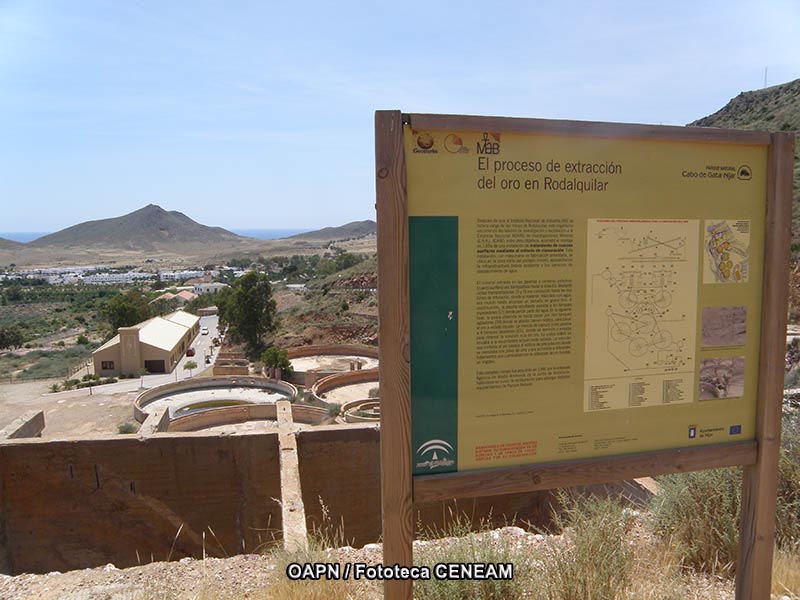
{"type": "Point", "coordinates": [437, 452]}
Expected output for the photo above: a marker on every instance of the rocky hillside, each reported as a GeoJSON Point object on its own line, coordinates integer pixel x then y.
{"type": "Point", "coordinates": [776, 108]}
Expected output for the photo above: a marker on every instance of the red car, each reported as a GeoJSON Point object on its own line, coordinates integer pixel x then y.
{"type": "Point", "coordinates": [190, 352]}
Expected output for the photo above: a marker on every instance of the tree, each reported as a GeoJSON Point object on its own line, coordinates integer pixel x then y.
{"type": "Point", "coordinates": [11, 337]}
{"type": "Point", "coordinates": [142, 373]}
{"type": "Point", "coordinates": [13, 293]}
{"type": "Point", "coordinates": [202, 301]}
{"type": "Point", "coordinates": [163, 307]}
{"type": "Point", "coordinates": [249, 309]}
{"type": "Point", "coordinates": [124, 310]}
{"type": "Point", "coordinates": [275, 358]}
{"type": "Point", "coordinates": [189, 365]}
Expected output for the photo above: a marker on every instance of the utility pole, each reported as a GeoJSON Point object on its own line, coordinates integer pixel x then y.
{"type": "Point", "coordinates": [765, 75]}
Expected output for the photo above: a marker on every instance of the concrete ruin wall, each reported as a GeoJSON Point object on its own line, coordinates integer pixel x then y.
{"type": "Point", "coordinates": [229, 415]}
{"type": "Point", "coordinates": [83, 503]}
{"type": "Point", "coordinates": [333, 350]}
{"type": "Point", "coordinates": [230, 370]}
{"type": "Point", "coordinates": [341, 466]}
{"type": "Point", "coordinates": [72, 504]}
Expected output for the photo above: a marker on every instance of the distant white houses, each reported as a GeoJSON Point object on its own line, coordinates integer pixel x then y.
{"type": "Point", "coordinates": [178, 275]}
{"type": "Point", "coordinates": [155, 345]}
{"type": "Point", "coordinates": [115, 278]}
{"type": "Point", "coordinates": [90, 275]}
{"type": "Point", "coordinates": [208, 288]}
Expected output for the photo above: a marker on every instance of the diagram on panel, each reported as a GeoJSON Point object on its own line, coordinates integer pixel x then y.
{"type": "Point", "coordinates": [645, 247]}
{"type": "Point", "coordinates": [641, 310]}
{"type": "Point", "coordinates": [643, 332]}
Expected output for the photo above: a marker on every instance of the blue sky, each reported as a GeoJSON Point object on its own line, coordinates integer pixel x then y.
{"type": "Point", "coordinates": [260, 114]}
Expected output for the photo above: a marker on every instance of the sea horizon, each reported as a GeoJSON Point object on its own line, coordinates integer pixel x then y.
{"type": "Point", "coordinates": [270, 234]}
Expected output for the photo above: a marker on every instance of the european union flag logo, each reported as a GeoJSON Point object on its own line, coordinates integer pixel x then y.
{"type": "Point", "coordinates": [735, 430]}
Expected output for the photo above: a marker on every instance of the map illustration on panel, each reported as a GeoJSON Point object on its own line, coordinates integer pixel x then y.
{"type": "Point", "coordinates": [641, 311]}
{"type": "Point", "coordinates": [722, 378]}
{"type": "Point", "coordinates": [727, 251]}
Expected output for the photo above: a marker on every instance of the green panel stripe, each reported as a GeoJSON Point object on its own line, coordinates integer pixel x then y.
{"type": "Point", "coordinates": [433, 290]}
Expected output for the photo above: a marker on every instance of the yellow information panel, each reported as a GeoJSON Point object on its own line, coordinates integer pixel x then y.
{"type": "Point", "coordinates": [575, 297]}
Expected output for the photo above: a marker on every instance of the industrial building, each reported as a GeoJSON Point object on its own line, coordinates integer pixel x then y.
{"type": "Point", "coordinates": [155, 345]}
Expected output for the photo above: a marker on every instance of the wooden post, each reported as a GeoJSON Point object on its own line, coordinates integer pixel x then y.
{"type": "Point", "coordinates": [392, 212]}
{"type": "Point", "coordinates": [760, 482]}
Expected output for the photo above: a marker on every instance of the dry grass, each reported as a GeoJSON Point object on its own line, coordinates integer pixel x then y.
{"type": "Point", "coordinates": [786, 573]}
{"type": "Point", "coordinates": [281, 588]}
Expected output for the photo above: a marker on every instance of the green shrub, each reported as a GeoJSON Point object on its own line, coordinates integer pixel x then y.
{"type": "Point", "coordinates": [82, 340]}
{"type": "Point", "coordinates": [127, 428]}
{"type": "Point", "coordinates": [466, 545]}
{"type": "Point", "coordinates": [699, 513]}
{"type": "Point", "coordinates": [593, 559]}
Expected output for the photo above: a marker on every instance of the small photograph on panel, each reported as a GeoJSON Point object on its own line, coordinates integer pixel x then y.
{"type": "Point", "coordinates": [724, 326]}
{"type": "Point", "coordinates": [727, 251]}
{"type": "Point", "coordinates": [721, 378]}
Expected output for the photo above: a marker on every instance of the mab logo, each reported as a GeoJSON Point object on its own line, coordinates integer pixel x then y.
{"type": "Point", "coordinates": [489, 143]}
{"type": "Point", "coordinates": [432, 448]}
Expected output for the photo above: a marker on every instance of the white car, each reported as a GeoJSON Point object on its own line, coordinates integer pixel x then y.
{"type": "Point", "coordinates": [204, 331]}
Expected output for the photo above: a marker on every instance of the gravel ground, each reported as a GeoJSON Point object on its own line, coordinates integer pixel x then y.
{"type": "Point", "coordinates": [251, 576]}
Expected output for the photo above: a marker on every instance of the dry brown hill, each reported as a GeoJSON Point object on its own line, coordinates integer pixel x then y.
{"type": "Point", "coordinates": [9, 244]}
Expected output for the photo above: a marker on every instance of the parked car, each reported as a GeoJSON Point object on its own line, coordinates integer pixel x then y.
{"type": "Point", "coordinates": [190, 352]}
{"type": "Point", "coordinates": [204, 331]}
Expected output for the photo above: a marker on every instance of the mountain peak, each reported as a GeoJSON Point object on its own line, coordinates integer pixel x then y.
{"type": "Point", "coordinates": [148, 228]}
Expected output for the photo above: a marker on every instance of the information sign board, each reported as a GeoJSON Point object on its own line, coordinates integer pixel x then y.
{"type": "Point", "coordinates": [565, 303]}
{"type": "Point", "coordinates": [575, 296]}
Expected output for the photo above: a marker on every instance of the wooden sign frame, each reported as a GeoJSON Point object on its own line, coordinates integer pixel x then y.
{"type": "Point", "coordinates": [759, 457]}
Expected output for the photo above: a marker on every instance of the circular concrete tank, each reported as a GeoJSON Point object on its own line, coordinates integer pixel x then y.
{"type": "Point", "coordinates": [312, 363]}
{"type": "Point", "coordinates": [210, 393]}
{"type": "Point", "coordinates": [352, 392]}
